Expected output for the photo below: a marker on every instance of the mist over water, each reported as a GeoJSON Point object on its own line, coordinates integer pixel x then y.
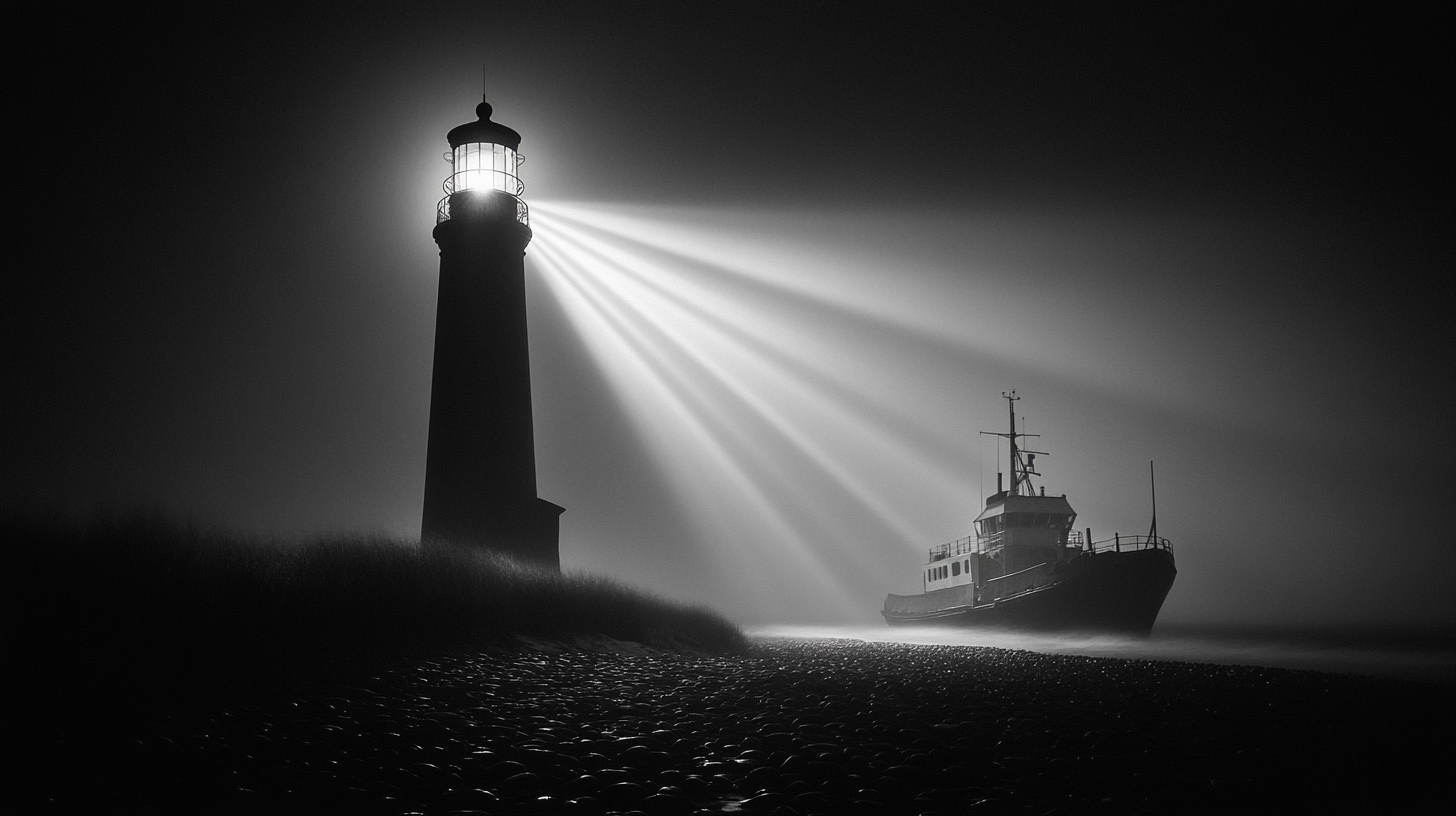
{"type": "Point", "coordinates": [1423, 655]}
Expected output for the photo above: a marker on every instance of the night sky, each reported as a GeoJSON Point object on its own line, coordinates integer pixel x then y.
{"type": "Point", "coordinates": [1218, 238]}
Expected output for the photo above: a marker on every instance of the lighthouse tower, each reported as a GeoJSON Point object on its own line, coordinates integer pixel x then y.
{"type": "Point", "coordinates": [480, 471]}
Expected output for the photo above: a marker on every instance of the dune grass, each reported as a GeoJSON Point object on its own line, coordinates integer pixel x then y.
{"type": "Point", "coordinates": [153, 598]}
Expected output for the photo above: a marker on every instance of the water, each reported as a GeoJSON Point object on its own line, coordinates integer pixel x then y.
{"type": "Point", "coordinates": [1427, 655]}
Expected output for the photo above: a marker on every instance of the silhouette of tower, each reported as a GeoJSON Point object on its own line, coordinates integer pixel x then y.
{"type": "Point", "coordinates": [480, 471]}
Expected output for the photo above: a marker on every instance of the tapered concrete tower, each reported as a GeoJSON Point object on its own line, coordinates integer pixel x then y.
{"type": "Point", "coordinates": [480, 474]}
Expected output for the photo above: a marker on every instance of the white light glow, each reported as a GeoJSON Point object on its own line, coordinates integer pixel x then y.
{"type": "Point", "coordinates": [485, 167]}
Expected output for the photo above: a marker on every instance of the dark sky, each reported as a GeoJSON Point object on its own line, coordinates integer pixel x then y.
{"type": "Point", "coordinates": [1228, 230]}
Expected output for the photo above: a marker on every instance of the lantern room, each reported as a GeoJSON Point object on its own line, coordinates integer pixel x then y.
{"type": "Point", "coordinates": [482, 166]}
{"type": "Point", "coordinates": [486, 160]}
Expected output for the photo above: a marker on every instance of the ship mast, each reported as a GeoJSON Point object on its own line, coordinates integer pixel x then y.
{"type": "Point", "coordinates": [1018, 472]}
{"type": "Point", "coordinates": [1023, 462]}
{"type": "Point", "coordinates": [1153, 485]}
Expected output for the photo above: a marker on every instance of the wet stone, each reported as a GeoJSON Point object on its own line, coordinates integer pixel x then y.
{"type": "Point", "coordinates": [798, 726]}
{"type": "Point", "coordinates": [623, 793]}
{"type": "Point", "coordinates": [468, 799]}
{"type": "Point", "coordinates": [586, 783]}
{"type": "Point", "coordinates": [661, 803]}
{"type": "Point", "coordinates": [764, 802]}
{"type": "Point", "coordinates": [521, 783]}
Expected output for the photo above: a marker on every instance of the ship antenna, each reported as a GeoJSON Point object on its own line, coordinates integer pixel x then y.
{"type": "Point", "coordinates": [1152, 483]}
{"type": "Point", "coordinates": [1016, 475]}
{"type": "Point", "coordinates": [1021, 471]}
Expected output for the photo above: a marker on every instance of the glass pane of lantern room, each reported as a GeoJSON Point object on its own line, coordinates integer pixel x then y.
{"type": "Point", "coordinates": [497, 167]}
{"type": "Point", "coordinates": [462, 166]}
{"type": "Point", "coordinates": [507, 172]}
{"type": "Point", "coordinates": [467, 167]}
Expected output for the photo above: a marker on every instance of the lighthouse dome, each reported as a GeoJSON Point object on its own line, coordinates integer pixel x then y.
{"type": "Point", "coordinates": [484, 130]}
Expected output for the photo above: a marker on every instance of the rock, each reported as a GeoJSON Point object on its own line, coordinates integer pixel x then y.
{"type": "Point", "coordinates": [665, 804]}
{"type": "Point", "coordinates": [623, 794]}
{"type": "Point", "coordinates": [763, 802]}
{"type": "Point", "coordinates": [521, 783]}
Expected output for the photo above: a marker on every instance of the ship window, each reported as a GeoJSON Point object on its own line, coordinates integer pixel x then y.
{"type": "Point", "coordinates": [955, 569]}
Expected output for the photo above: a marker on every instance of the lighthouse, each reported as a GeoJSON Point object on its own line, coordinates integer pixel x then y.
{"type": "Point", "coordinates": [480, 468]}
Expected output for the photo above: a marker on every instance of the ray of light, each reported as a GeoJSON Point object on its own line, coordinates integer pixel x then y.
{"type": "Point", "coordinates": [707, 458]}
{"type": "Point", "coordinates": [727, 344]}
{"type": "Point", "coordinates": [748, 412]}
{"type": "Point", "coordinates": [1019, 293]}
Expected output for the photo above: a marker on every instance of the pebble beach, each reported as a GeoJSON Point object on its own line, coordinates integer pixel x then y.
{"type": "Point", "coordinates": [795, 727]}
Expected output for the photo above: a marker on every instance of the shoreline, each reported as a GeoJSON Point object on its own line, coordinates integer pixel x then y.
{"type": "Point", "coordinates": [795, 727]}
{"type": "Point", "coordinates": [1425, 655]}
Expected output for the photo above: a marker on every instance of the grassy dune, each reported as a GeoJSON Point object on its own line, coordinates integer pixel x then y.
{"type": "Point", "coordinates": [156, 600]}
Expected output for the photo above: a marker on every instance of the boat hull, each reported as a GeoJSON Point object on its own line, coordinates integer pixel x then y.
{"type": "Point", "coordinates": [1106, 592]}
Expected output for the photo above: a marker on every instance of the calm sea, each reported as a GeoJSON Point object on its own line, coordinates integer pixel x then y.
{"type": "Point", "coordinates": [1427, 655]}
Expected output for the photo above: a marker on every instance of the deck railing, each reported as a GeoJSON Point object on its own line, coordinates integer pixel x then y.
{"type": "Point", "coordinates": [980, 544]}
{"type": "Point", "coordinates": [961, 546]}
{"type": "Point", "coordinates": [1122, 543]}
{"type": "Point", "coordinates": [442, 211]}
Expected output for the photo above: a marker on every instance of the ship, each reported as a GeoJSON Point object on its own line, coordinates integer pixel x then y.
{"type": "Point", "coordinates": [1027, 567]}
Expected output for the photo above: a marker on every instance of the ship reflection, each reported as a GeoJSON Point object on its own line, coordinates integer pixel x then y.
{"type": "Point", "coordinates": [1421, 655]}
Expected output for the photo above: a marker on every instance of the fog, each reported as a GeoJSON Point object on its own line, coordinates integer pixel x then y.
{"type": "Point", "coordinates": [808, 390]}
{"type": "Point", "coordinates": [1426, 657]}
{"type": "Point", "coordinates": [777, 287]}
